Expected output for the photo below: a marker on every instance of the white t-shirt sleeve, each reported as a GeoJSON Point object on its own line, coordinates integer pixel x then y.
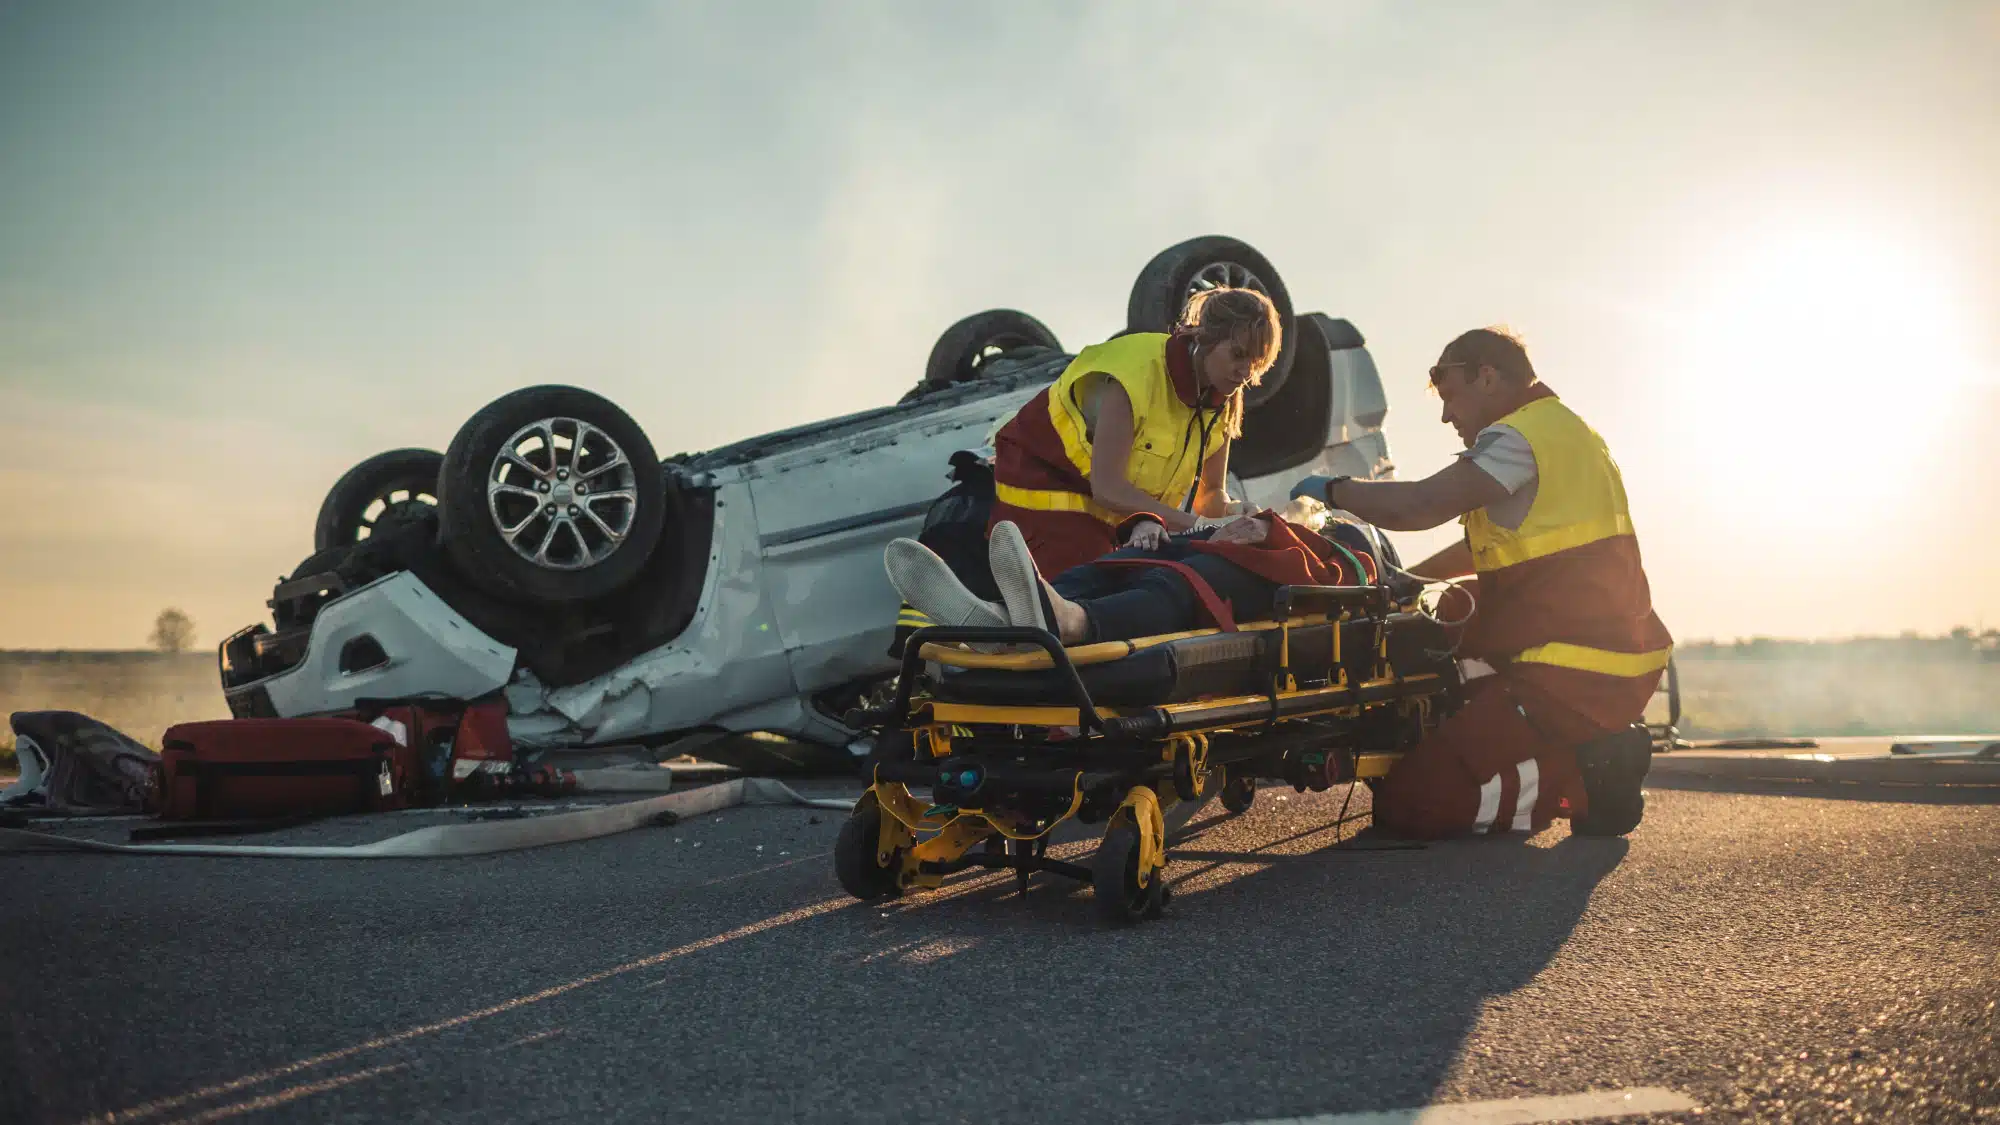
{"type": "Point", "coordinates": [1505, 456]}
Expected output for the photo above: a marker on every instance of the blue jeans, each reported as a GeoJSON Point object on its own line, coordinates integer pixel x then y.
{"type": "Point", "coordinates": [1124, 602]}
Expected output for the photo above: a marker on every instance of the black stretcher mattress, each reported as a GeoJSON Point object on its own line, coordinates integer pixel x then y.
{"type": "Point", "coordinates": [1218, 664]}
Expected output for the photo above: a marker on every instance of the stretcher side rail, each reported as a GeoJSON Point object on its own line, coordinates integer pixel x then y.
{"type": "Point", "coordinates": [1159, 722]}
{"type": "Point", "coordinates": [898, 711]}
{"type": "Point", "coordinates": [1373, 600]}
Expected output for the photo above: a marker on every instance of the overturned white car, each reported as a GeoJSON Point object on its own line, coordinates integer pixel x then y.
{"type": "Point", "coordinates": [615, 598]}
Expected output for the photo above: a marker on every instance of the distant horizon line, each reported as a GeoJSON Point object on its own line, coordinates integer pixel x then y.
{"type": "Point", "coordinates": [1973, 633]}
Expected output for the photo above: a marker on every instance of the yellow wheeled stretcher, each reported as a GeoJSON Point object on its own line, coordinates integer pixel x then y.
{"type": "Point", "coordinates": [1011, 745]}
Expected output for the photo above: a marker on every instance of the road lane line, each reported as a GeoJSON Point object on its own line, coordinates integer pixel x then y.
{"type": "Point", "coordinates": [162, 1105]}
{"type": "Point", "coordinates": [287, 1096]}
{"type": "Point", "coordinates": [1594, 1106]}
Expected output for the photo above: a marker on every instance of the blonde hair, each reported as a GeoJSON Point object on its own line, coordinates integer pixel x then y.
{"type": "Point", "coordinates": [1246, 318]}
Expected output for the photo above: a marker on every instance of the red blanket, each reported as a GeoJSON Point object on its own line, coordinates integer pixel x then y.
{"type": "Point", "coordinates": [1289, 555]}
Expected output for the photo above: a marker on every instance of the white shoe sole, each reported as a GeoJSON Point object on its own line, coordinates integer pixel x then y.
{"type": "Point", "coordinates": [1015, 574]}
{"type": "Point", "coordinates": [930, 588]}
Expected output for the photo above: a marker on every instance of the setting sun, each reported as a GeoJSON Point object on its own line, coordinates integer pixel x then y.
{"type": "Point", "coordinates": [1832, 345]}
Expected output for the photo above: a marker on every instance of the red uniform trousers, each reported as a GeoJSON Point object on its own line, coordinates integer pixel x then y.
{"type": "Point", "coordinates": [1507, 760]}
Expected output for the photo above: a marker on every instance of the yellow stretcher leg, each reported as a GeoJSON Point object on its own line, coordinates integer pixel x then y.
{"type": "Point", "coordinates": [1141, 808]}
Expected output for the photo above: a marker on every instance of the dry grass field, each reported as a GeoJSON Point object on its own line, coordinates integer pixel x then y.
{"type": "Point", "coordinates": [1732, 698]}
{"type": "Point", "coordinates": [140, 693]}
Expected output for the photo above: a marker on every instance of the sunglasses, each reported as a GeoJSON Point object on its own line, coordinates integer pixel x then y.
{"type": "Point", "coordinates": [1444, 367]}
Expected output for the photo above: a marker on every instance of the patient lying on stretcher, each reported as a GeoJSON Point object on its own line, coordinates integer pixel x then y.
{"type": "Point", "coordinates": [1155, 584]}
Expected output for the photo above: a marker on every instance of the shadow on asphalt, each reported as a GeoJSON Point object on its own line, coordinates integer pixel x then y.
{"type": "Point", "coordinates": [1298, 970]}
{"type": "Point", "coordinates": [1361, 962]}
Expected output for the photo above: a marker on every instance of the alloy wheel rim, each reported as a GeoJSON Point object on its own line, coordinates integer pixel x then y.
{"type": "Point", "coordinates": [562, 494]}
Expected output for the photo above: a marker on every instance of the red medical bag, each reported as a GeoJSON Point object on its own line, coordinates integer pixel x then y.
{"type": "Point", "coordinates": [460, 748]}
{"type": "Point", "coordinates": [233, 768]}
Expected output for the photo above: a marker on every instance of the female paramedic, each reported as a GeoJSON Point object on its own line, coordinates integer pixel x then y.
{"type": "Point", "coordinates": [1139, 423]}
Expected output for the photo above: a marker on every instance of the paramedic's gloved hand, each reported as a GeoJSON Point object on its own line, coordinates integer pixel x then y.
{"type": "Point", "coordinates": [1148, 536]}
{"type": "Point", "coordinates": [1248, 530]}
{"type": "Point", "coordinates": [1313, 486]}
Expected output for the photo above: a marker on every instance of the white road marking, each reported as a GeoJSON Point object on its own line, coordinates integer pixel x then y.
{"type": "Point", "coordinates": [1594, 1106]}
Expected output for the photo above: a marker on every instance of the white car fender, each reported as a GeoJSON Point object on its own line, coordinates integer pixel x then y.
{"type": "Point", "coordinates": [429, 647]}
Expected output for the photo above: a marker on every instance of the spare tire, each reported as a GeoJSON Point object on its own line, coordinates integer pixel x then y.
{"type": "Point", "coordinates": [550, 495]}
{"type": "Point", "coordinates": [961, 354]}
{"type": "Point", "coordinates": [1177, 273]}
{"type": "Point", "coordinates": [389, 488]}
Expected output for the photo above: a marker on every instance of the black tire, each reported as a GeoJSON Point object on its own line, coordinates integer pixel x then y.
{"type": "Point", "coordinates": [1239, 794]}
{"type": "Point", "coordinates": [1289, 428]}
{"type": "Point", "coordinates": [1114, 874]}
{"type": "Point", "coordinates": [856, 862]}
{"type": "Point", "coordinates": [962, 353]}
{"type": "Point", "coordinates": [1161, 293]}
{"type": "Point", "coordinates": [580, 562]}
{"type": "Point", "coordinates": [402, 481]}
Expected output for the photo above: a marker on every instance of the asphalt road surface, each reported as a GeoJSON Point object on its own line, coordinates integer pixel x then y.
{"type": "Point", "coordinates": [1768, 957]}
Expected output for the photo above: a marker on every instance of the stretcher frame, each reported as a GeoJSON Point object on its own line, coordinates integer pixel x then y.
{"type": "Point", "coordinates": [1007, 776]}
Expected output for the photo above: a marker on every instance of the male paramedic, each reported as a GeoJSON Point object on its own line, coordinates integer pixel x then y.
{"type": "Point", "coordinates": [1563, 649]}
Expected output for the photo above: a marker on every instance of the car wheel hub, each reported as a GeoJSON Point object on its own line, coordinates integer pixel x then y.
{"type": "Point", "coordinates": [562, 493]}
{"type": "Point", "coordinates": [1225, 275]}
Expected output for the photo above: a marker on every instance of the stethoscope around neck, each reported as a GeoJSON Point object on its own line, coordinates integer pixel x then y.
{"type": "Point", "coordinates": [1208, 418]}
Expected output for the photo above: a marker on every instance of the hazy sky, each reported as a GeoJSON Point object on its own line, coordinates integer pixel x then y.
{"type": "Point", "coordinates": [243, 246]}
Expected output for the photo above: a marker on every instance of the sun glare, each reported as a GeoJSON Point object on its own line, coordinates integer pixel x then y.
{"type": "Point", "coordinates": [1824, 351]}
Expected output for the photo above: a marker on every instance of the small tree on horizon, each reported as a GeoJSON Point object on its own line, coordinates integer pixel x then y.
{"type": "Point", "coordinates": [173, 632]}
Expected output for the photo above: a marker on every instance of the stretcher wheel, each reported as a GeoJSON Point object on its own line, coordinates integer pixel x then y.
{"type": "Point", "coordinates": [1114, 873]}
{"type": "Point", "coordinates": [856, 861]}
{"type": "Point", "coordinates": [1239, 793]}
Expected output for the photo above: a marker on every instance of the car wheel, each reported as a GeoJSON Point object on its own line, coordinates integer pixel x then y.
{"type": "Point", "coordinates": [1177, 273]}
{"type": "Point", "coordinates": [549, 495]}
{"type": "Point", "coordinates": [962, 354]}
{"type": "Point", "coordinates": [396, 487]}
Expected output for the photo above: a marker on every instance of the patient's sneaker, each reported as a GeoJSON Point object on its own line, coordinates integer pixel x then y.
{"type": "Point", "coordinates": [929, 586]}
{"type": "Point", "coordinates": [1015, 574]}
{"type": "Point", "coordinates": [1614, 770]}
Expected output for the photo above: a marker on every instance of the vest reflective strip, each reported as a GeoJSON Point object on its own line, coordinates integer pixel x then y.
{"type": "Point", "coordinates": [1510, 552]}
{"type": "Point", "coordinates": [1053, 500]}
{"type": "Point", "coordinates": [1075, 446]}
{"type": "Point", "coordinates": [1623, 665]}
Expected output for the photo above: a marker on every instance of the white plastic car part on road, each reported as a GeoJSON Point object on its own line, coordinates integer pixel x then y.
{"type": "Point", "coordinates": [441, 841]}
{"type": "Point", "coordinates": [426, 648]}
